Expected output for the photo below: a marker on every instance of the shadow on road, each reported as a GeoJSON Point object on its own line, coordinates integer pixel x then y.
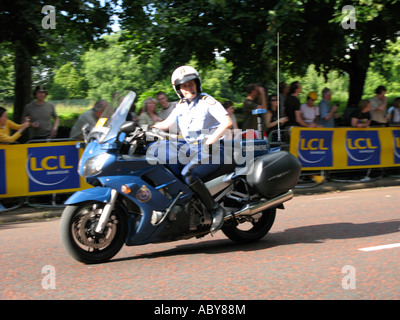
{"type": "Point", "coordinates": [305, 234]}
{"type": "Point", "coordinates": [343, 230]}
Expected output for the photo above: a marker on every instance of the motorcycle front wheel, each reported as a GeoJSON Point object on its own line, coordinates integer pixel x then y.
{"type": "Point", "coordinates": [78, 236]}
{"type": "Point", "coordinates": [250, 228]}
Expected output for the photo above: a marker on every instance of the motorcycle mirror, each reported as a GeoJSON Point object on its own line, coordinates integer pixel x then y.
{"type": "Point", "coordinates": [128, 127]}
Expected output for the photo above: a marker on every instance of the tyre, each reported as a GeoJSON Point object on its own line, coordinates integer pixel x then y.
{"type": "Point", "coordinates": [250, 228]}
{"type": "Point", "coordinates": [78, 236]}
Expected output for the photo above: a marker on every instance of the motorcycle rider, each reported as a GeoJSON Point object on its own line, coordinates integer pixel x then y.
{"type": "Point", "coordinates": [203, 121]}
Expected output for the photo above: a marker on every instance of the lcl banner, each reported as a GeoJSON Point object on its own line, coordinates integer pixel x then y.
{"type": "Point", "coordinates": [39, 168]}
{"type": "Point", "coordinates": [345, 148]}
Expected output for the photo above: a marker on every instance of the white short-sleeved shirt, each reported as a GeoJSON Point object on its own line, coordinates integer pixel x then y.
{"type": "Point", "coordinates": [198, 119]}
{"type": "Point", "coordinates": [309, 113]}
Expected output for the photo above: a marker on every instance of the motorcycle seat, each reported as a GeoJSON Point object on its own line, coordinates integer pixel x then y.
{"type": "Point", "coordinates": [224, 169]}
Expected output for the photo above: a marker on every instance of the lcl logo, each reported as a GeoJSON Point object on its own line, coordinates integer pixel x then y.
{"type": "Point", "coordinates": [49, 163]}
{"type": "Point", "coordinates": [315, 148]}
{"type": "Point", "coordinates": [52, 167]}
{"type": "Point", "coordinates": [363, 148]}
{"type": "Point", "coordinates": [313, 144]}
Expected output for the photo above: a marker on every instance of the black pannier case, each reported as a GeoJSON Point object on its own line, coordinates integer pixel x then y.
{"type": "Point", "coordinates": [274, 173]}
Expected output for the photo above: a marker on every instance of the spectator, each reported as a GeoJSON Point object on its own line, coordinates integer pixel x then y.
{"type": "Point", "coordinates": [166, 106]}
{"type": "Point", "coordinates": [272, 115]}
{"type": "Point", "coordinates": [149, 116]}
{"type": "Point", "coordinates": [292, 103]}
{"type": "Point", "coordinates": [283, 92]}
{"type": "Point", "coordinates": [41, 113]}
{"type": "Point", "coordinates": [327, 114]}
{"type": "Point", "coordinates": [378, 107]}
{"type": "Point", "coordinates": [254, 92]}
{"type": "Point", "coordinates": [6, 125]}
{"type": "Point", "coordinates": [132, 113]}
{"type": "Point", "coordinates": [89, 117]}
{"type": "Point", "coordinates": [228, 105]}
{"type": "Point", "coordinates": [309, 111]}
{"type": "Point", "coordinates": [361, 118]}
{"type": "Point", "coordinates": [292, 106]}
{"type": "Point", "coordinates": [394, 113]}
{"type": "Point", "coordinates": [166, 109]}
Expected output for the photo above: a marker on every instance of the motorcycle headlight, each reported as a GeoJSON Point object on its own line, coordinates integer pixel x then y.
{"type": "Point", "coordinates": [93, 166]}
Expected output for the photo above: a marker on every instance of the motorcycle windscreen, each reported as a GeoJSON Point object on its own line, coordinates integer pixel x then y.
{"type": "Point", "coordinates": [118, 117]}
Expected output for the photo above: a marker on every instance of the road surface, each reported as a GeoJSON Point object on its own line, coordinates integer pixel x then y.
{"type": "Point", "coordinates": [342, 245]}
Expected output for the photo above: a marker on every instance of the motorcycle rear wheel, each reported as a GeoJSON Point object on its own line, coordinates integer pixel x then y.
{"type": "Point", "coordinates": [250, 229]}
{"type": "Point", "coordinates": [82, 242]}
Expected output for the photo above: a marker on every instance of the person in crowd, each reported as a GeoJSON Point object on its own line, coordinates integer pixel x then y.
{"type": "Point", "coordinates": [327, 114]}
{"type": "Point", "coordinates": [43, 116]}
{"type": "Point", "coordinates": [378, 107]}
{"type": "Point", "coordinates": [149, 116]}
{"type": "Point", "coordinates": [361, 118]}
{"type": "Point", "coordinates": [272, 116]}
{"type": "Point", "coordinates": [203, 121]}
{"type": "Point", "coordinates": [394, 113]}
{"type": "Point", "coordinates": [310, 112]}
{"type": "Point", "coordinates": [166, 106]}
{"type": "Point", "coordinates": [292, 103]}
{"type": "Point", "coordinates": [283, 92]}
{"type": "Point", "coordinates": [255, 93]}
{"type": "Point", "coordinates": [90, 117]}
{"type": "Point", "coordinates": [6, 125]}
{"type": "Point", "coordinates": [166, 109]}
{"type": "Point", "coordinates": [228, 105]}
{"type": "Point", "coordinates": [292, 106]}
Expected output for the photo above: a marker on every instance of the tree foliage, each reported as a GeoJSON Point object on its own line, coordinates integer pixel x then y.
{"type": "Point", "coordinates": [68, 83]}
{"type": "Point", "coordinates": [244, 32]}
{"type": "Point", "coordinates": [316, 35]}
{"type": "Point", "coordinates": [21, 28]}
{"type": "Point", "coordinates": [233, 43]}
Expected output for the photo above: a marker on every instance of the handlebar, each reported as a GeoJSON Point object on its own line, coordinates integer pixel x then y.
{"type": "Point", "coordinates": [160, 133]}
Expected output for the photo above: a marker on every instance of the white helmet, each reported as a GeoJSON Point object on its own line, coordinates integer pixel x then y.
{"type": "Point", "coordinates": [184, 74]}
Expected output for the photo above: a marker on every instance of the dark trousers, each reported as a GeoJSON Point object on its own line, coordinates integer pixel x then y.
{"type": "Point", "coordinates": [188, 161]}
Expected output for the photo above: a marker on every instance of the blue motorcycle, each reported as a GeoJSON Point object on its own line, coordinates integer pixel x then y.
{"type": "Point", "coordinates": [137, 199]}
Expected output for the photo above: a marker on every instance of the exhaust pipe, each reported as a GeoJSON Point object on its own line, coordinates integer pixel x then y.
{"type": "Point", "coordinates": [249, 210]}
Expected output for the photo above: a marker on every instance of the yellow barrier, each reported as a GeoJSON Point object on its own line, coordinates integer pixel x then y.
{"type": "Point", "coordinates": [39, 168]}
{"type": "Point", "coordinates": [346, 148]}
{"type": "Point", "coordinates": [51, 167]}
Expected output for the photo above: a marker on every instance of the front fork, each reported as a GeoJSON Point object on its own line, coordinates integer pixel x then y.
{"type": "Point", "coordinates": [108, 208]}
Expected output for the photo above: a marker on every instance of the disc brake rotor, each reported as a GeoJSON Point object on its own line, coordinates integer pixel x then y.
{"type": "Point", "coordinates": [84, 226]}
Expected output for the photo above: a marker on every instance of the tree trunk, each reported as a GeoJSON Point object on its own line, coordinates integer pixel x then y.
{"type": "Point", "coordinates": [23, 80]}
{"type": "Point", "coordinates": [357, 69]}
{"type": "Point", "coordinates": [357, 75]}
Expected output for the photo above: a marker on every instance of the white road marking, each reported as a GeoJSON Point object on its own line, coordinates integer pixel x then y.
{"type": "Point", "coordinates": [385, 246]}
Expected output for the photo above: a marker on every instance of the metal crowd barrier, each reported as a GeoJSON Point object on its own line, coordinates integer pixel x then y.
{"type": "Point", "coordinates": [19, 163]}
{"type": "Point", "coordinates": [310, 177]}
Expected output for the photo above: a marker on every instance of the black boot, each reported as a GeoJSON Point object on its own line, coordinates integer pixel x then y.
{"type": "Point", "coordinates": [212, 206]}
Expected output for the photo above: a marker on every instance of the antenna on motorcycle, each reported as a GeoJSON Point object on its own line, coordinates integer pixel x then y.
{"type": "Point", "coordinates": [277, 86]}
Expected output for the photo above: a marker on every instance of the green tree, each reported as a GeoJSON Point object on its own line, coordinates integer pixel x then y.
{"type": "Point", "coordinates": [319, 32]}
{"type": "Point", "coordinates": [7, 76]}
{"type": "Point", "coordinates": [182, 30]}
{"type": "Point", "coordinates": [115, 68]}
{"type": "Point", "coordinates": [244, 32]}
{"type": "Point", "coordinates": [23, 28]}
{"type": "Point", "coordinates": [68, 84]}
